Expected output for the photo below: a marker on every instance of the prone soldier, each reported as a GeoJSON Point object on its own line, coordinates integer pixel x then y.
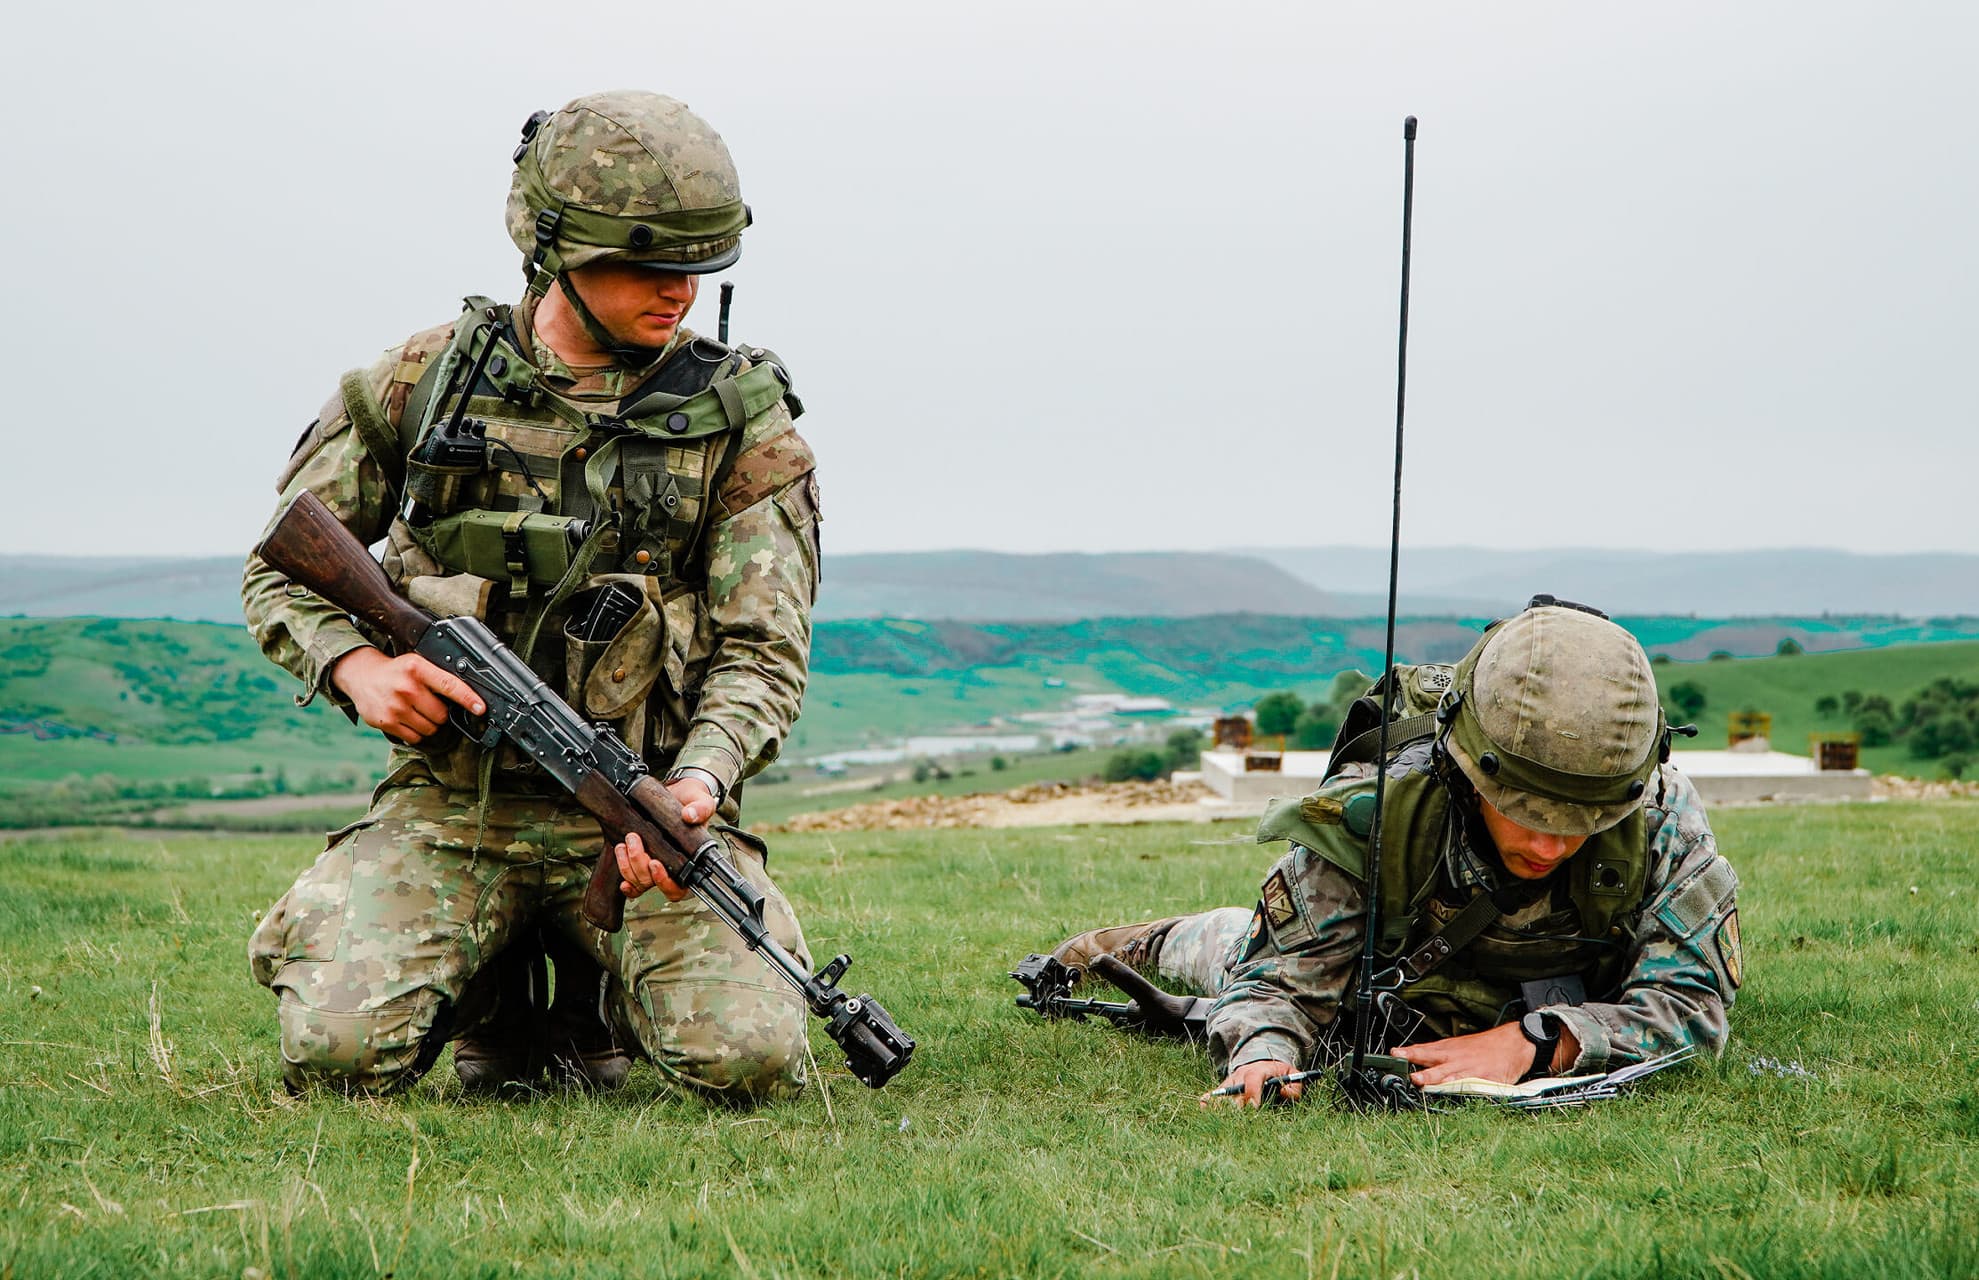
{"type": "Point", "coordinates": [1552, 900]}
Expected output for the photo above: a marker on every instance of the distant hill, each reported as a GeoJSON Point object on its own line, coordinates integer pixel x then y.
{"type": "Point", "coordinates": [153, 700]}
{"type": "Point", "coordinates": [1338, 582]}
{"type": "Point", "coordinates": [205, 589]}
{"type": "Point", "coordinates": [984, 585]}
{"type": "Point", "coordinates": [1723, 584]}
{"type": "Point", "coordinates": [976, 585]}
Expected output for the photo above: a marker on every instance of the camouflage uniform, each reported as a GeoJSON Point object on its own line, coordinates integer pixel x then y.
{"type": "Point", "coordinates": [1628, 937]}
{"type": "Point", "coordinates": [1280, 972]}
{"type": "Point", "coordinates": [373, 949]}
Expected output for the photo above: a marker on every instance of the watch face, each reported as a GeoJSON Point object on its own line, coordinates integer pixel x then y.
{"type": "Point", "coordinates": [1537, 1029]}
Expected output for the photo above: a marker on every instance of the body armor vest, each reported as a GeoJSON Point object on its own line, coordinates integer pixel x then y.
{"type": "Point", "coordinates": [1574, 928]}
{"type": "Point", "coordinates": [521, 505]}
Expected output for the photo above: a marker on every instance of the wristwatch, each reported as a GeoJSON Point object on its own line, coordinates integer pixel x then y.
{"type": "Point", "coordinates": [709, 780]}
{"type": "Point", "coordinates": [1544, 1032]}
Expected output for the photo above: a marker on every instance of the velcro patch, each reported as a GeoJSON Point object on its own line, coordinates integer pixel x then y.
{"type": "Point", "coordinates": [1698, 901]}
{"type": "Point", "coordinates": [1325, 810]}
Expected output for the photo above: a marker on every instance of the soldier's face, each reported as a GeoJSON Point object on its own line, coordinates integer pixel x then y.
{"type": "Point", "coordinates": [636, 304]}
{"type": "Point", "coordinates": [1527, 854]}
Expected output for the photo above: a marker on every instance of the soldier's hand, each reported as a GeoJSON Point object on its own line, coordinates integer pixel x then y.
{"type": "Point", "coordinates": [1251, 1077]}
{"type": "Point", "coordinates": [405, 697]}
{"type": "Point", "coordinates": [639, 872]}
{"type": "Point", "coordinates": [697, 803]}
{"type": "Point", "coordinates": [1502, 1054]}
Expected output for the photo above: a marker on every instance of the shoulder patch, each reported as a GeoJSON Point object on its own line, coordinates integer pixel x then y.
{"type": "Point", "coordinates": [1730, 954]}
{"type": "Point", "coordinates": [1277, 901]}
{"type": "Point", "coordinates": [1434, 680]}
{"type": "Point", "coordinates": [1358, 815]}
{"type": "Point", "coordinates": [1326, 810]}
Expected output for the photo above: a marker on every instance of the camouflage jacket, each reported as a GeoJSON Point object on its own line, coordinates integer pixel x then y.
{"type": "Point", "coordinates": [728, 654]}
{"type": "Point", "coordinates": [1681, 968]}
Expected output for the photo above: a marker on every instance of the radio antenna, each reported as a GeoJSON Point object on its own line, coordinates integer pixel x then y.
{"type": "Point", "coordinates": [1364, 985]}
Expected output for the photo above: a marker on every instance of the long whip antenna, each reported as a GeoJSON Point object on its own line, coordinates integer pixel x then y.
{"type": "Point", "coordinates": [1364, 987]}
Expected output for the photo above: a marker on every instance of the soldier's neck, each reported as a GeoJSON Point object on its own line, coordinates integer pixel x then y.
{"type": "Point", "coordinates": [557, 327]}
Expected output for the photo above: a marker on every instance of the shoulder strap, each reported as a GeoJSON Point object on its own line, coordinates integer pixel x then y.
{"type": "Point", "coordinates": [1365, 742]}
{"type": "Point", "coordinates": [367, 418]}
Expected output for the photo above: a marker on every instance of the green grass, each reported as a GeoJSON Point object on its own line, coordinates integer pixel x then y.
{"type": "Point", "coordinates": [1011, 1147]}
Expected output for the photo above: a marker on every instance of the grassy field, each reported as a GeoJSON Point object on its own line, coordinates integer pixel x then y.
{"type": "Point", "coordinates": [143, 1130]}
{"type": "Point", "coordinates": [1787, 687]}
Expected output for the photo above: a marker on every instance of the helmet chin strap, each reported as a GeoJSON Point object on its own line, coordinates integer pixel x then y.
{"type": "Point", "coordinates": [626, 352]}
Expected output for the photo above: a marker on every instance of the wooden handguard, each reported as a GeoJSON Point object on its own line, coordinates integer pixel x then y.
{"type": "Point", "coordinates": [309, 545]}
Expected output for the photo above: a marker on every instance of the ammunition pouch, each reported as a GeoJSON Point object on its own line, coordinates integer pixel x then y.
{"type": "Point", "coordinates": [517, 547]}
{"type": "Point", "coordinates": [609, 678]}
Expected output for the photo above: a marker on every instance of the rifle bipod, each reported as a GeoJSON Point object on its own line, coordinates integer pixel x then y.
{"type": "Point", "coordinates": [1048, 983]}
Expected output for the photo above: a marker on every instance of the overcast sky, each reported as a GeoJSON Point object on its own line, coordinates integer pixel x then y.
{"type": "Point", "coordinates": [1061, 276]}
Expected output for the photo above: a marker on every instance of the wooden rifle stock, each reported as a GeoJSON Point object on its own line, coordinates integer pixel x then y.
{"type": "Point", "coordinates": [309, 545]}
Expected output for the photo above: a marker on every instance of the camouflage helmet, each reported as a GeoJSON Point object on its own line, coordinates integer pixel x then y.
{"type": "Point", "coordinates": [625, 175]}
{"type": "Point", "coordinates": [1553, 717]}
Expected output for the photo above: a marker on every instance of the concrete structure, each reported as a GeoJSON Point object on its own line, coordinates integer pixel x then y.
{"type": "Point", "coordinates": [1722, 777]}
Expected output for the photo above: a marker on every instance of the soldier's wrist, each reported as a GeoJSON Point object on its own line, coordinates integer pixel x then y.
{"type": "Point", "coordinates": [702, 776]}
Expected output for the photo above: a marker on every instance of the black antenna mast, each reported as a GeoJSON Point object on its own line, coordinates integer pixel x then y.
{"type": "Point", "coordinates": [1364, 985]}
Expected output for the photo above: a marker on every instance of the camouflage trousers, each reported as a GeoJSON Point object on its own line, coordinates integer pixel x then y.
{"type": "Point", "coordinates": [1201, 950]}
{"type": "Point", "coordinates": [373, 946]}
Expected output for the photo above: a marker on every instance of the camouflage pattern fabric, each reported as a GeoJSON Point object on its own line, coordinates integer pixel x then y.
{"type": "Point", "coordinates": [1280, 972]}
{"type": "Point", "coordinates": [375, 944]}
{"type": "Point", "coordinates": [735, 654]}
{"type": "Point", "coordinates": [628, 155]}
{"type": "Point", "coordinates": [384, 932]}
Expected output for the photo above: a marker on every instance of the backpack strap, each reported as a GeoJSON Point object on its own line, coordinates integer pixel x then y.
{"type": "Point", "coordinates": [367, 418]}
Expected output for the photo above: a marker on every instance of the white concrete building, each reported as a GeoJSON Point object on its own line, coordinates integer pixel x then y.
{"type": "Point", "coordinates": [1722, 777]}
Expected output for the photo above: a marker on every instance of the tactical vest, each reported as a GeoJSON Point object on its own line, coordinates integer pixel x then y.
{"type": "Point", "coordinates": [1472, 989]}
{"type": "Point", "coordinates": [567, 496]}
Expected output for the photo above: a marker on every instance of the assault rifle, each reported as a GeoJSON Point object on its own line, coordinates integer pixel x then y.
{"type": "Point", "coordinates": [308, 545]}
{"type": "Point", "coordinates": [1048, 984]}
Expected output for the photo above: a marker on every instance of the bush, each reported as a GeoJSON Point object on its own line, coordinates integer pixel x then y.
{"type": "Point", "coordinates": [1788, 647]}
{"type": "Point", "coordinates": [1135, 765]}
{"type": "Point", "coordinates": [998, 764]}
{"type": "Point", "coordinates": [1721, 655]}
{"type": "Point", "coordinates": [1184, 750]}
{"type": "Point", "coordinates": [1687, 699]}
{"type": "Point", "coordinates": [1827, 706]}
{"type": "Point", "coordinates": [1278, 712]}
{"type": "Point", "coordinates": [1316, 728]}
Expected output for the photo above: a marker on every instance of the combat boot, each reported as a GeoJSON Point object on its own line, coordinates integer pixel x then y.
{"type": "Point", "coordinates": [503, 1016]}
{"type": "Point", "coordinates": [584, 1051]}
{"type": "Point", "coordinates": [1138, 946]}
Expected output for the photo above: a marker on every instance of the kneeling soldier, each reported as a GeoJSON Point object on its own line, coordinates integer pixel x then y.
{"type": "Point", "coordinates": [629, 506]}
